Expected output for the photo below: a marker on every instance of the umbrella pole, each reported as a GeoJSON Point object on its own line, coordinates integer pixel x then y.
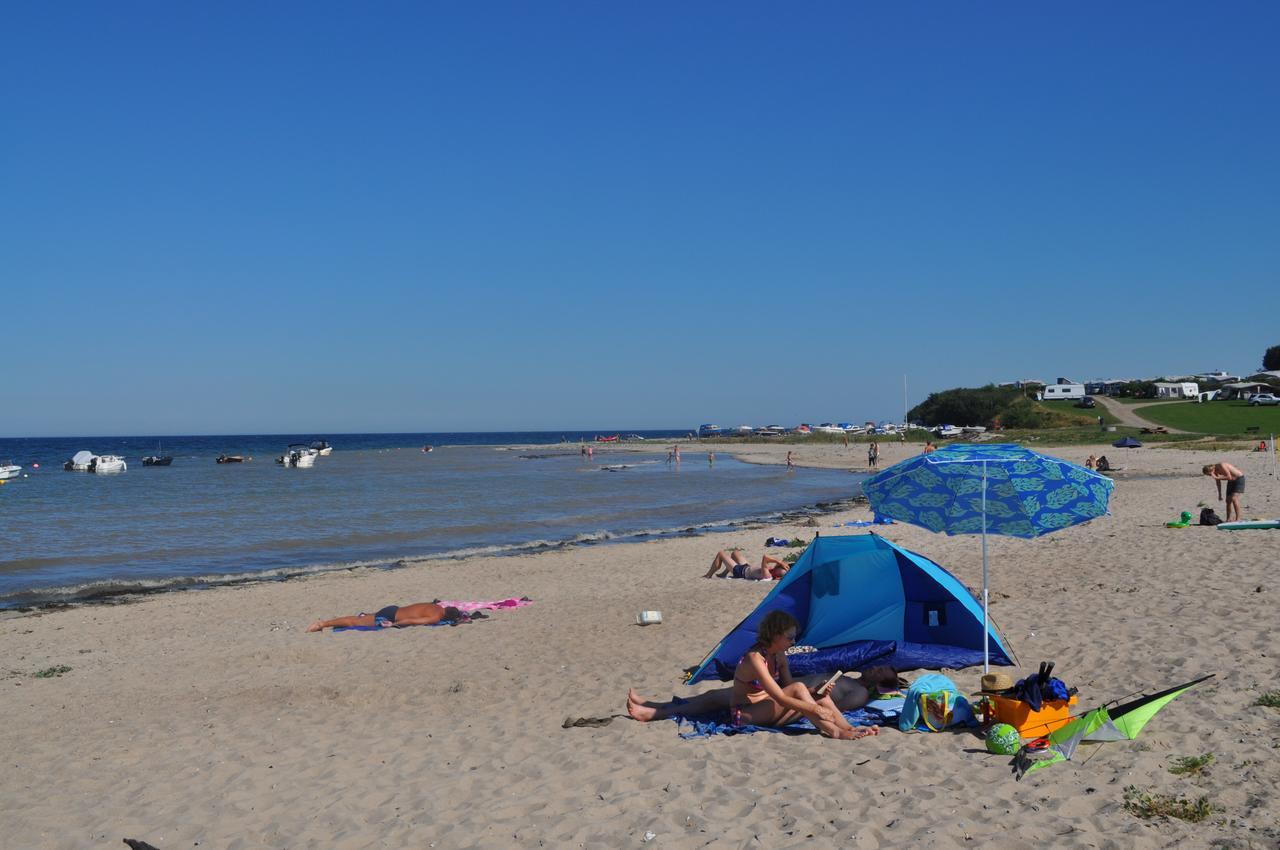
{"type": "Point", "coordinates": [986, 615]}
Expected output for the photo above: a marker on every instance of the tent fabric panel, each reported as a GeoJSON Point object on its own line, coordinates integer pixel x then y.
{"type": "Point", "coordinates": [958, 597]}
{"type": "Point", "coordinates": [858, 597]}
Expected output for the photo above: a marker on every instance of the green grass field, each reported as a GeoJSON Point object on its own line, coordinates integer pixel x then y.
{"type": "Point", "coordinates": [1215, 417]}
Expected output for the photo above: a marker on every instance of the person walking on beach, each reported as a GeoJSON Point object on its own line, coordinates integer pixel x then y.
{"type": "Point", "coordinates": [711, 458]}
{"type": "Point", "coordinates": [1224, 471]}
{"type": "Point", "coordinates": [676, 451]}
{"type": "Point", "coordinates": [764, 694]}
{"type": "Point", "coordinates": [873, 454]}
{"type": "Point", "coordinates": [791, 462]}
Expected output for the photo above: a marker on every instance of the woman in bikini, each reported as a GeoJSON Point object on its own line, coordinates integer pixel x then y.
{"type": "Point", "coordinates": [733, 562]}
{"type": "Point", "coordinates": [417, 614]}
{"type": "Point", "coordinates": [763, 692]}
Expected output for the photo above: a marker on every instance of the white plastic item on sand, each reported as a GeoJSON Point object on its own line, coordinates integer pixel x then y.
{"type": "Point", "coordinates": [648, 618]}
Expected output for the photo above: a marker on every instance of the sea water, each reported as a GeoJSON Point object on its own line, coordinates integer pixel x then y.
{"type": "Point", "coordinates": [376, 501]}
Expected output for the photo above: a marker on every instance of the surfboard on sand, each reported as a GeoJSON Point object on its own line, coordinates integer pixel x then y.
{"type": "Point", "coordinates": [1249, 523]}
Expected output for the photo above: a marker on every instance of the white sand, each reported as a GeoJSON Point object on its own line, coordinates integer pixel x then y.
{"type": "Point", "coordinates": [212, 719]}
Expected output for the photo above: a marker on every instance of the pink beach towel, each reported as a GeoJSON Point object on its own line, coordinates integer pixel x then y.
{"type": "Point", "coordinates": [468, 607]}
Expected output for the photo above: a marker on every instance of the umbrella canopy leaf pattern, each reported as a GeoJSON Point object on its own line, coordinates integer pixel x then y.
{"type": "Point", "coordinates": [1000, 488]}
{"type": "Point", "coordinates": [1028, 494]}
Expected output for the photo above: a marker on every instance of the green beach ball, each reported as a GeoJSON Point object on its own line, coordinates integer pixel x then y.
{"type": "Point", "coordinates": [1003, 740]}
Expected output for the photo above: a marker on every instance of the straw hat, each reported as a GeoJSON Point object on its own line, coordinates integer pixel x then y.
{"type": "Point", "coordinates": [996, 683]}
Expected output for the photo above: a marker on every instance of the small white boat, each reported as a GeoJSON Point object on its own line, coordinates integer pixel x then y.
{"type": "Point", "coordinates": [8, 470]}
{"type": "Point", "coordinates": [745, 429]}
{"type": "Point", "coordinates": [108, 463]}
{"type": "Point", "coordinates": [299, 456]}
{"type": "Point", "coordinates": [322, 447]}
{"type": "Point", "coordinates": [828, 428]}
{"type": "Point", "coordinates": [80, 462]}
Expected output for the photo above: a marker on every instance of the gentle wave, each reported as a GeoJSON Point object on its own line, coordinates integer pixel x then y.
{"type": "Point", "coordinates": [116, 590]}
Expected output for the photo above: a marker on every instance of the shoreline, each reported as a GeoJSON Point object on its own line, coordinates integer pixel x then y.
{"type": "Point", "coordinates": [214, 718]}
{"type": "Point", "coordinates": [37, 601]}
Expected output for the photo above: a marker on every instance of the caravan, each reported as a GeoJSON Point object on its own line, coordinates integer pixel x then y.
{"type": "Point", "coordinates": [1060, 392]}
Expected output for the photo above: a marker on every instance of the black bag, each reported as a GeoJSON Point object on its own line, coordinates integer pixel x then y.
{"type": "Point", "coordinates": [1208, 517]}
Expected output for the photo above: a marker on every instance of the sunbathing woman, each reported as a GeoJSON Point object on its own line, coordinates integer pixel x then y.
{"type": "Point", "coordinates": [733, 562]}
{"type": "Point", "coordinates": [763, 693]}
{"type": "Point", "coordinates": [418, 614]}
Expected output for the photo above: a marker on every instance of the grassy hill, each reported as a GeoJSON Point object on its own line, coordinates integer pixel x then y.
{"type": "Point", "coordinates": [1228, 418]}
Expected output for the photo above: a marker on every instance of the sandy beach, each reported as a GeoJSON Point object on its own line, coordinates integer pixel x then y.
{"type": "Point", "coordinates": [212, 719]}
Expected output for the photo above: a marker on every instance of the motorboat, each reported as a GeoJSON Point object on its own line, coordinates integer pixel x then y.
{"type": "Point", "coordinates": [230, 459]}
{"type": "Point", "coordinates": [322, 447]}
{"type": "Point", "coordinates": [829, 428]}
{"type": "Point", "coordinates": [157, 459]}
{"type": "Point", "coordinates": [949, 431]}
{"type": "Point", "coordinates": [9, 470]}
{"type": "Point", "coordinates": [299, 456]}
{"type": "Point", "coordinates": [745, 429]}
{"type": "Point", "coordinates": [770, 431]}
{"type": "Point", "coordinates": [708, 430]}
{"type": "Point", "coordinates": [632, 438]}
{"type": "Point", "coordinates": [80, 462]}
{"type": "Point", "coordinates": [804, 429]}
{"type": "Point", "coordinates": [108, 463]}
{"type": "Point", "coordinates": [601, 438]}
{"type": "Point", "coordinates": [426, 449]}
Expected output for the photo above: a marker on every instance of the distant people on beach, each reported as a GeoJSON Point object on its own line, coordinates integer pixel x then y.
{"type": "Point", "coordinates": [873, 454]}
{"type": "Point", "coordinates": [1102, 464]}
{"type": "Point", "coordinates": [711, 458]}
{"type": "Point", "coordinates": [1224, 471]}
{"type": "Point", "coordinates": [417, 614]}
{"type": "Point", "coordinates": [791, 461]}
{"type": "Point", "coordinates": [929, 447]}
{"type": "Point", "coordinates": [1262, 446]}
{"type": "Point", "coordinates": [763, 692]}
{"type": "Point", "coordinates": [1091, 462]}
{"type": "Point", "coordinates": [731, 562]}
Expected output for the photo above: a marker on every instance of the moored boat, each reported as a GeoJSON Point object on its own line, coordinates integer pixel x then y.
{"type": "Point", "coordinates": [9, 470]}
{"type": "Point", "coordinates": [230, 459]}
{"type": "Point", "coordinates": [322, 447]}
{"type": "Point", "coordinates": [108, 463]}
{"type": "Point", "coordinates": [80, 462]}
{"type": "Point", "coordinates": [298, 456]}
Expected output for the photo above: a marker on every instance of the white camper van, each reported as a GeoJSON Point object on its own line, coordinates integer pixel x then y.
{"type": "Point", "coordinates": [1061, 392]}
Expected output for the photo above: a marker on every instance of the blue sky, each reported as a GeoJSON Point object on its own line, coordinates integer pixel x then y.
{"type": "Point", "coordinates": [322, 217]}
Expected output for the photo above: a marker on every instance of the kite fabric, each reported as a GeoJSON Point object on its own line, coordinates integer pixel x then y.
{"type": "Point", "coordinates": [1102, 724]}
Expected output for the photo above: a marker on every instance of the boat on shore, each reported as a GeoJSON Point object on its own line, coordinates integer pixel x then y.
{"type": "Point", "coordinates": [603, 439]}
{"type": "Point", "coordinates": [708, 430]}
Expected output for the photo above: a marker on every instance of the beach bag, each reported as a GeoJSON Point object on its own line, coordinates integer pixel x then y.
{"type": "Point", "coordinates": [933, 703]}
{"type": "Point", "coordinates": [1209, 517]}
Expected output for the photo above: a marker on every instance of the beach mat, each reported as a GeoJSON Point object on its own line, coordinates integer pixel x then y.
{"type": "Point", "coordinates": [722, 724]}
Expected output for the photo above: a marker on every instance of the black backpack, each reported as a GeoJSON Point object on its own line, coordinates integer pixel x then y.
{"type": "Point", "coordinates": [1208, 517]}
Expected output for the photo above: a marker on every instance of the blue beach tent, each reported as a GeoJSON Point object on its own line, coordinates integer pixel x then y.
{"type": "Point", "coordinates": [862, 600]}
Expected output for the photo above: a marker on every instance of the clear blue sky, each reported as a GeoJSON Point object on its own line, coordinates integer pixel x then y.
{"type": "Point", "coordinates": [328, 217]}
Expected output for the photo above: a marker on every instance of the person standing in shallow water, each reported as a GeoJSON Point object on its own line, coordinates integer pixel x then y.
{"type": "Point", "coordinates": [1224, 471]}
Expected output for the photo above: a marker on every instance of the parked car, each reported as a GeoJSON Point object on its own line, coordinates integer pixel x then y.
{"type": "Point", "coordinates": [1259, 399]}
{"type": "Point", "coordinates": [1087, 401]}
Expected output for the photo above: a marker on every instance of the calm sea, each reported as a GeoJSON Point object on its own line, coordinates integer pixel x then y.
{"type": "Point", "coordinates": [378, 499]}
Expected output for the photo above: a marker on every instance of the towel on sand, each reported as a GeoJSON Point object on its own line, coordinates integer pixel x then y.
{"type": "Point", "coordinates": [721, 724]}
{"type": "Point", "coordinates": [467, 607]}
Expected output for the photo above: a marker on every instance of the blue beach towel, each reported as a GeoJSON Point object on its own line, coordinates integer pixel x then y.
{"type": "Point", "coordinates": [721, 724]}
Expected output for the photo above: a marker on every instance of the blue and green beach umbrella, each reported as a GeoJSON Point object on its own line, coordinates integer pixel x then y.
{"type": "Point", "coordinates": [999, 488]}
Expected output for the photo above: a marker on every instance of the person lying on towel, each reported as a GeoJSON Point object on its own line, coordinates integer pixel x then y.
{"type": "Point", "coordinates": [417, 614]}
{"type": "Point", "coordinates": [763, 693]}
{"type": "Point", "coordinates": [733, 562]}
